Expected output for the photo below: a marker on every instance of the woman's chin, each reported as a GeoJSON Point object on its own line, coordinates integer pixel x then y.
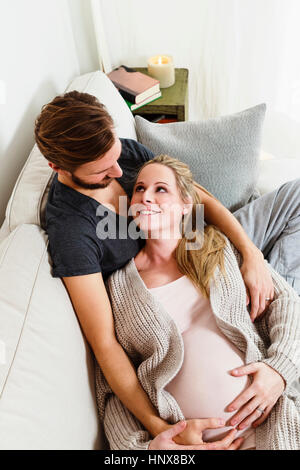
{"type": "Point", "coordinates": [150, 230]}
{"type": "Point", "coordinates": [149, 234]}
{"type": "Point", "coordinates": [157, 232]}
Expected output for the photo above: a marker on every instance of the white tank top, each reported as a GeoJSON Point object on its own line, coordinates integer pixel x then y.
{"type": "Point", "coordinates": [203, 387]}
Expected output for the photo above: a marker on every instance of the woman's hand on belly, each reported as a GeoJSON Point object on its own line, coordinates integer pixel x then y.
{"type": "Point", "coordinates": [266, 387]}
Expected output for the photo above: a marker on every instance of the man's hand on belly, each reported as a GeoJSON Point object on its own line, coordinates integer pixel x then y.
{"type": "Point", "coordinates": [193, 435]}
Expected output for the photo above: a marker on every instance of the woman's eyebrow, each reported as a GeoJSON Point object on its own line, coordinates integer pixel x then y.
{"type": "Point", "coordinates": [157, 182]}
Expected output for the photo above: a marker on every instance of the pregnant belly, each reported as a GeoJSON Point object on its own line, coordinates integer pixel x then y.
{"type": "Point", "coordinates": [203, 387]}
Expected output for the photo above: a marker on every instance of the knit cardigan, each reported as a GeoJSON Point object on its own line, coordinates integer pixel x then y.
{"type": "Point", "coordinates": [152, 340]}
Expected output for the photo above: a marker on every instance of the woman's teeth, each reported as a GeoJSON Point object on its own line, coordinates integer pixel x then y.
{"type": "Point", "coordinates": [149, 212]}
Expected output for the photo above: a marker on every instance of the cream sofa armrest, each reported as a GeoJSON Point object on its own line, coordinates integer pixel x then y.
{"type": "Point", "coordinates": [47, 396]}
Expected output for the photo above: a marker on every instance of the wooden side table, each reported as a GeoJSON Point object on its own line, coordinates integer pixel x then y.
{"type": "Point", "coordinates": [174, 100]}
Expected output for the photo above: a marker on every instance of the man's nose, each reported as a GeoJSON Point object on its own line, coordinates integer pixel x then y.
{"type": "Point", "coordinates": [115, 171]}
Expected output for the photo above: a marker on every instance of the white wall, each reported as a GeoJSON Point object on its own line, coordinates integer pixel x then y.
{"type": "Point", "coordinates": [44, 44]}
{"type": "Point", "coordinates": [239, 53]}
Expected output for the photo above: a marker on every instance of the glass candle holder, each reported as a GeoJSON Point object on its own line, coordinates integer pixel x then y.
{"type": "Point", "coordinates": [161, 67]}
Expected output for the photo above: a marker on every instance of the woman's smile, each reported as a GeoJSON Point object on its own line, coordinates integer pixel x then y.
{"type": "Point", "coordinates": [147, 211]}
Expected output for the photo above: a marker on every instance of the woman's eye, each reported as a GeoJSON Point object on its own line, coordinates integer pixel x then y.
{"type": "Point", "coordinates": [141, 188]}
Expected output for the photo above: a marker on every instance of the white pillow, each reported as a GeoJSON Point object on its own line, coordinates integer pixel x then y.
{"type": "Point", "coordinates": [275, 172]}
{"type": "Point", "coordinates": [46, 374]}
{"type": "Point", "coordinates": [31, 189]}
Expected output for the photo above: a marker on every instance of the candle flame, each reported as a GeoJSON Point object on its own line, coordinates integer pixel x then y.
{"type": "Point", "coordinates": [160, 60]}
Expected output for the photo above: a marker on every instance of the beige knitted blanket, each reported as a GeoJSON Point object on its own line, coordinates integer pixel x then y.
{"type": "Point", "coordinates": [151, 339]}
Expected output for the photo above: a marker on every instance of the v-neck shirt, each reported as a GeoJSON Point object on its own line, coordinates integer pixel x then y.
{"type": "Point", "coordinates": [85, 236]}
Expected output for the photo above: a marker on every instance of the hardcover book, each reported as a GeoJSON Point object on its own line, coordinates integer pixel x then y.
{"type": "Point", "coordinates": [133, 86]}
{"type": "Point", "coordinates": [151, 98]}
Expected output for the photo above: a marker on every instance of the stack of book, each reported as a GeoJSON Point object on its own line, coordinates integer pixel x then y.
{"type": "Point", "coordinates": [137, 89]}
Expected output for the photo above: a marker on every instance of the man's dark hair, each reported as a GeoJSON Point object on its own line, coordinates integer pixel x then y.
{"type": "Point", "coordinates": [73, 129]}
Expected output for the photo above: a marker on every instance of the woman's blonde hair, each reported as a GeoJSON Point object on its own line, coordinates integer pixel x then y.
{"type": "Point", "coordinates": [197, 264]}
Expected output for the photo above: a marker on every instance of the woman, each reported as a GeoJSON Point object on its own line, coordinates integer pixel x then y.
{"type": "Point", "coordinates": [180, 315]}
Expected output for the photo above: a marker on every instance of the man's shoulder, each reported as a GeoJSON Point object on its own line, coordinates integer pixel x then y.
{"type": "Point", "coordinates": [133, 150]}
{"type": "Point", "coordinates": [73, 246]}
{"type": "Point", "coordinates": [75, 226]}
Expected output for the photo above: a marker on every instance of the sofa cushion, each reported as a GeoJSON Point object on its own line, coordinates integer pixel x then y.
{"type": "Point", "coordinates": [47, 396]}
{"type": "Point", "coordinates": [222, 153]}
{"type": "Point", "coordinates": [29, 195]}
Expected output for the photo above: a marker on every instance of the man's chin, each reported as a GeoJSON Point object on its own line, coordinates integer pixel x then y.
{"type": "Point", "coordinates": [102, 185]}
{"type": "Point", "coordinates": [83, 185]}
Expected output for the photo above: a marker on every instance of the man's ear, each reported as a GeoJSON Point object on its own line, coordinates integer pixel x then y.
{"type": "Point", "coordinates": [57, 168]}
{"type": "Point", "coordinates": [53, 166]}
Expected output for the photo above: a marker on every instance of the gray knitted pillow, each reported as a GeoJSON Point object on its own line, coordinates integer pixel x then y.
{"type": "Point", "coordinates": [222, 152]}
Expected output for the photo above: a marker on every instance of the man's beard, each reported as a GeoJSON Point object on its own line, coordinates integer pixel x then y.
{"type": "Point", "coordinates": [82, 184]}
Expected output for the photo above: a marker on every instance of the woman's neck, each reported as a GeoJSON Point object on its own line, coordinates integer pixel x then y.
{"type": "Point", "coordinates": [157, 264]}
{"type": "Point", "coordinates": [159, 252]}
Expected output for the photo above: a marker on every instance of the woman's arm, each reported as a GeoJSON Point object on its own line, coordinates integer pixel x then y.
{"type": "Point", "coordinates": [281, 366]}
{"type": "Point", "coordinates": [256, 276]}
{"type": "Point", "coordinates": [91, 303]}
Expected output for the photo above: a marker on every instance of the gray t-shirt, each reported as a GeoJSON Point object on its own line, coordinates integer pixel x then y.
{"type": "Point", "coordinates": [72, 221]}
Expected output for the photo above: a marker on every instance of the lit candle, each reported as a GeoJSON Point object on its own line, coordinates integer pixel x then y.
{"type": "Point", "coordinates": [161, 67]}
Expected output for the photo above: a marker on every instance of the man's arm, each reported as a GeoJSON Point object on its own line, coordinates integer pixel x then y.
{"type": "Point", "coordinates": [282, 322]}
{"type": "Point", "coordinates": [255, 274]}
{"type": "Point", "coordinates": [217, 214]}
{"type": "Point", "coordinates": [92, 306]}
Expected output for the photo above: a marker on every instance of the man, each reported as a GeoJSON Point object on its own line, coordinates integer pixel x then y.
{"type": "Point", "coordinates": [94, 168]}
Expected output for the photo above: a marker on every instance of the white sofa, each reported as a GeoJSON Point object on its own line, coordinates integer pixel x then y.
{"type": "Point", "coordinates": [47, 398]}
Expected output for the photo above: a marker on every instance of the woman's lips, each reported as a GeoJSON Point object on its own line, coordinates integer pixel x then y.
{"type": "Point", "coordinates": [148, 212]}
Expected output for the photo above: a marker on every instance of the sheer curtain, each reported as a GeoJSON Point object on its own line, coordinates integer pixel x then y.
{"type": "Point", "coordinates": [239, 53]}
